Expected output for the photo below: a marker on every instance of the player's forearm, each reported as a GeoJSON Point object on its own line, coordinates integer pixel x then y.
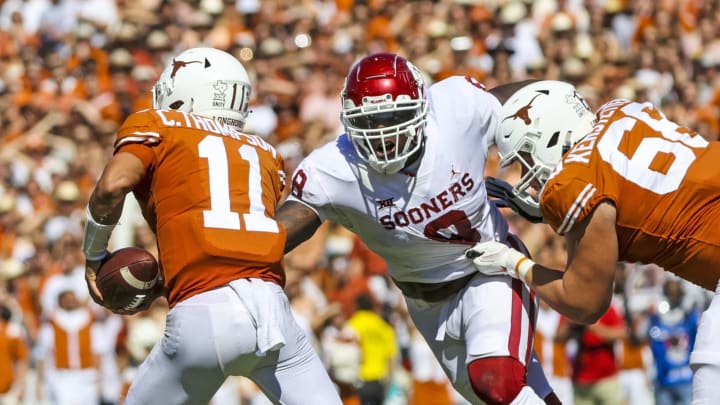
{"type": "Point", "coordinates": [300, 223]}
{"type": "Point", "coordinates": [103, 213]}
{"type": "Point", "coordinates": [106, 206]}
{"type": "Point", "coordinates": [122, 173]}
{"type": "Point", "coordinates": [584, 290]}
{"type": "Point", "coordinates": [568, 295]}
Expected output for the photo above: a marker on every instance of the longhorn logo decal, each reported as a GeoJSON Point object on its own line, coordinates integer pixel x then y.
{"type": "Point", "coordinates": [524, 112]}
{"type": "Point", "coordinates": [179, 64]}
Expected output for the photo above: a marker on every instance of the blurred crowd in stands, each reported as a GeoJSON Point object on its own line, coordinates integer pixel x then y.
{"type": "Point", "coordinates": [72, 70]}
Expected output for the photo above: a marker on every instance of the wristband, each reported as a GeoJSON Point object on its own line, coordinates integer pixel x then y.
{"type": "Point", "coordinates": [96, 238]}
{"type": "Point", "coordinates": [522, 267]}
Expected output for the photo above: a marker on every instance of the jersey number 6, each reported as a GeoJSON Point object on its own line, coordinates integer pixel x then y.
{"type": "Point", "coordinates": [673, 140]}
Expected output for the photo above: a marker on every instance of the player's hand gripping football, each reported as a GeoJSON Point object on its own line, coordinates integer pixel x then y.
{"type": "Point", "coordinates": [493, 258]}
{"type": "Point", "coordinates": [91, 269]}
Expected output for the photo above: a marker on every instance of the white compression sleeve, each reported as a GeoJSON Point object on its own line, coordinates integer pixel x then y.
{"type": "Point", "coordinates": [96, 238]}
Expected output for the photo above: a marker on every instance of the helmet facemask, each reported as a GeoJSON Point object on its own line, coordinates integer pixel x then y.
{"type": "Point", "coordinates": [387, 133]}
{"type": "Point", "coordinates": [534, 173]}
{"type": "Point", "coordinates": [384, 111]}
{"type": "Point", "coordinates": [540, 123]}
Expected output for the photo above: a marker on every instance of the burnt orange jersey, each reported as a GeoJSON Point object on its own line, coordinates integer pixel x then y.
{"type": "Point", "coordinates": [210, 195]}
{"type": "Point", "coordinates": [663, 179]}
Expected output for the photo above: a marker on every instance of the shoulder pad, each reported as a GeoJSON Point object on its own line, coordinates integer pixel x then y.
{"type": "Point", "coordinates": [140, 127]}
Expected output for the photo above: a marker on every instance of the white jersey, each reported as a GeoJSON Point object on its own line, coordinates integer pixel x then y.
{"type": "Point", "coordinates": [420, 224]}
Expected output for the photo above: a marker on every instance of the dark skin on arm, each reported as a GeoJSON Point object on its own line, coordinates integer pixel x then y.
{"type": "Point", "coordinates": [504, 91]}
{"type": "Point", "coordinates": [300, 223]}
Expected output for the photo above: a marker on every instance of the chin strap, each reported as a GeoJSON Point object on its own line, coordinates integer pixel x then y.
{"type": "Point", "coordinates": [522, 204]}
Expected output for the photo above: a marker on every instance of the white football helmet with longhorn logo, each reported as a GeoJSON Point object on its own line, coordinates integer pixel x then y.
{"type": "Point", "coordinates": [540, 122]}
{"type": "Point", "coordinates": [205, 81]}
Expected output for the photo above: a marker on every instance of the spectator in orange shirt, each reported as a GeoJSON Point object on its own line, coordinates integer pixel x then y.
{"type": "Point", "coordinates": [69, 346]}
{"type": "Point", "coordinates": [13, 359]}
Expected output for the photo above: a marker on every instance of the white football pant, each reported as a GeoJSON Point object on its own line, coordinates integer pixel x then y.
{"type": "Point", "coordinates": [215, 334]}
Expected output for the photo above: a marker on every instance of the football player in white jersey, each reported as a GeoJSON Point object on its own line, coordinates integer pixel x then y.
{"type": "Point", "coordinates": [407, 178]}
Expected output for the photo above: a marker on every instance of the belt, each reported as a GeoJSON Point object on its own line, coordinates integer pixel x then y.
{"type": "Point", "coordinates": [433, 292]}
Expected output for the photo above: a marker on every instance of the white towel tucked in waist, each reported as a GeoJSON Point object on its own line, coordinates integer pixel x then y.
{"type": "Point", "coordinates": [264, 301]}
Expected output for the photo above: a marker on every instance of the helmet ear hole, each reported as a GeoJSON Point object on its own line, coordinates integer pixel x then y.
{"type": "Point", "coordinates": [176, 105]}
{"type": "Point", "coordinates": [553, 139]}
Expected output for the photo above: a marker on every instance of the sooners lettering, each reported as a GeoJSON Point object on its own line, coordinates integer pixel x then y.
{"type": "Point", "coordinates": [440, 203]}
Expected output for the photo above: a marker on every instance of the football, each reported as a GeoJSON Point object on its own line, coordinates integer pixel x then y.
{"type": "Point", "coordinates": [127, 278]}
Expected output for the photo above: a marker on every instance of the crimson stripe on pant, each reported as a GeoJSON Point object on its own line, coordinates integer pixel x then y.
{"type": "Point", "coordinates": [516, 319]}
{"type": "Point", "coordinates": [516, 327]}
{"type": "Point", "coordinates": [531, 327]}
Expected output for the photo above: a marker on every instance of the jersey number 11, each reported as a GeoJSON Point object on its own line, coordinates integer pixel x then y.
{"type": "Point", "coordinates": [220, 215]}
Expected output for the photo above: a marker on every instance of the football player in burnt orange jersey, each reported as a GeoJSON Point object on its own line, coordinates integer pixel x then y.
{"type": "Point", "coordinates": [209, 192]}
{"type": "Point", "coordinates": [624, 184]}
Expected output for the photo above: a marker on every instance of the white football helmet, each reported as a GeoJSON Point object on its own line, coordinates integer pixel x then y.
{"type": "Point", "coordinates": [205, 81]}
{"type": "Point", "coordinates": [384, 110]}
{"type": "Point", "coordinates": [540, 122]}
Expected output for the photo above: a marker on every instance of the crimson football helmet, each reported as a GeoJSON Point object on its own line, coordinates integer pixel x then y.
{"type": "Point", "coordinates": [384, 110]}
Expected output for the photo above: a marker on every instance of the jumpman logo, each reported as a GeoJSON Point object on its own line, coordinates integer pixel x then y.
{"type": "Point", "coordinates": [453, 173]}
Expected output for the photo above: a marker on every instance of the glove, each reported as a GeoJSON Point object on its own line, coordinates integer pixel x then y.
{"type": "Point", "coordinates": [493, 258]}
{"type": "Point", "coordinates": [519, 203]}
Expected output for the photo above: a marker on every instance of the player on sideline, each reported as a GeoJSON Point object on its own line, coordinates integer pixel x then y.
{"type": "Point", "coordinates": [209, 192]}
{"type": "Point", "coordinates": [407, 177]}
{"type": "Point", "coordinates": [624, 184]}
